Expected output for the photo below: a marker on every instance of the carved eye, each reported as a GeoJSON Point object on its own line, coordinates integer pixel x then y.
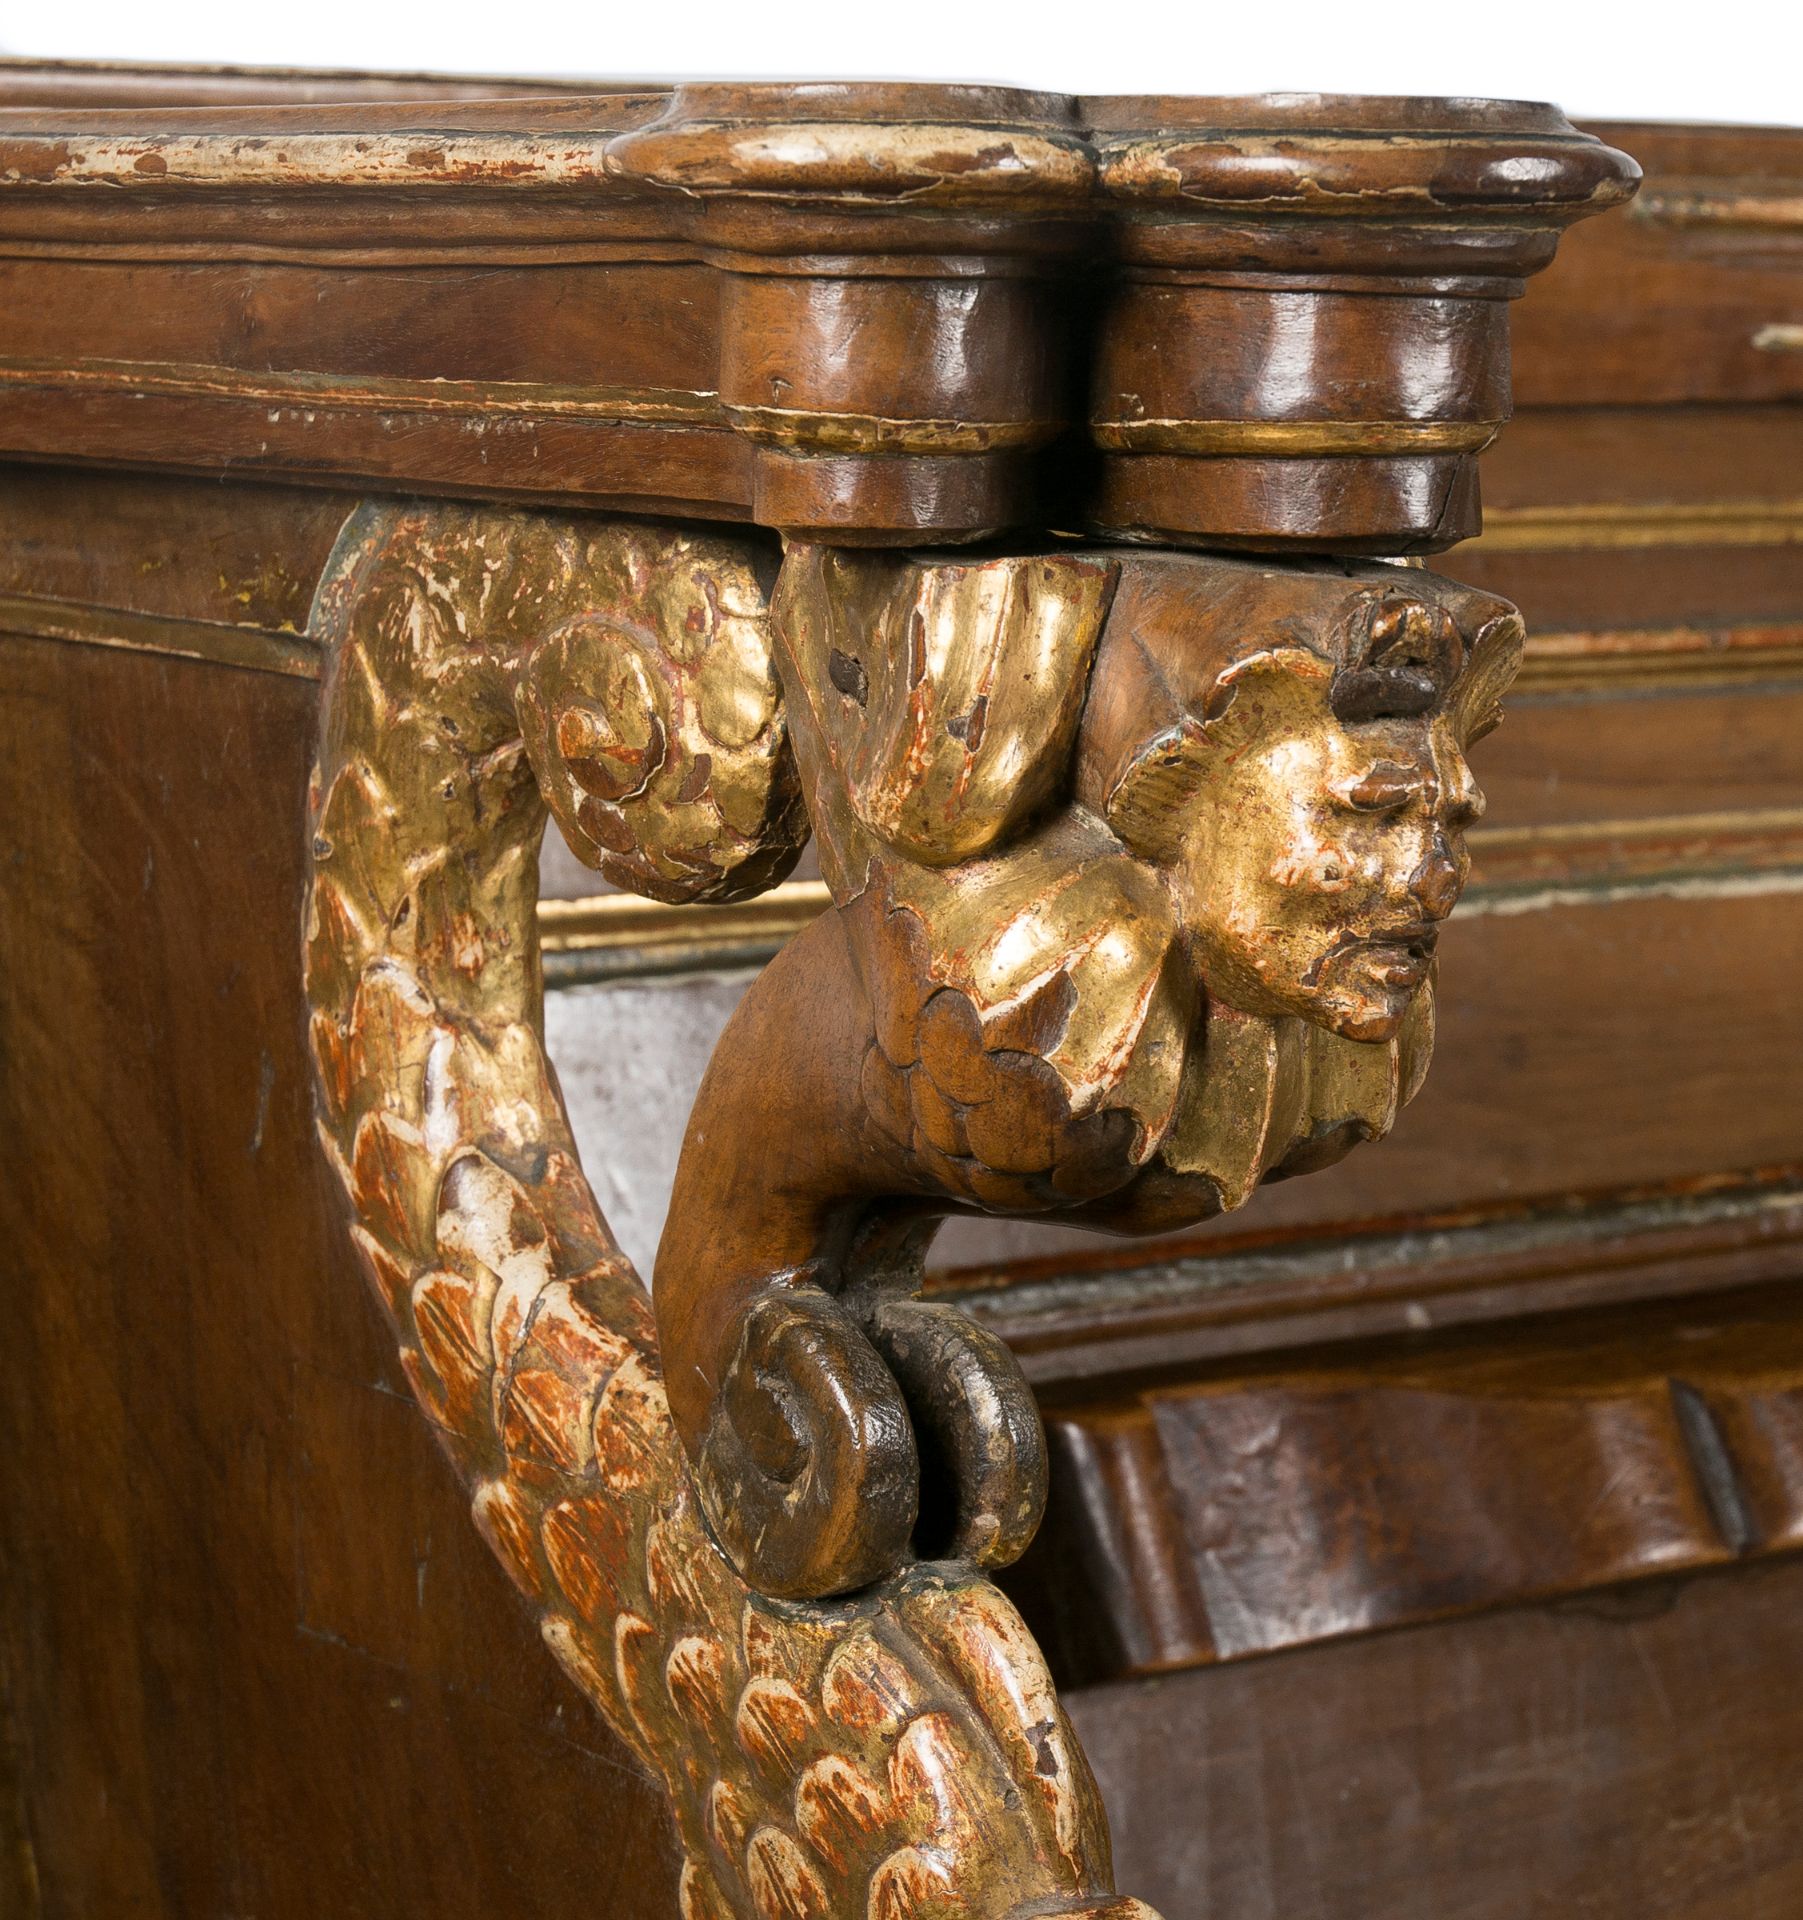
{"type": "Point", "coordinates": [1384, 788]}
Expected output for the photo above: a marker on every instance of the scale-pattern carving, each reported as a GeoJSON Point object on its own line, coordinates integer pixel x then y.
{"type": "Point", "coordinates": [899, 1754]}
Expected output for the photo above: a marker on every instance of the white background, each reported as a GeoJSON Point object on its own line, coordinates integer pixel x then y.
{"type": "Point", "coordinates": [1704, 60]}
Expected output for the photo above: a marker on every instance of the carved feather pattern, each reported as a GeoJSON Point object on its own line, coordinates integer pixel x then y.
{"type": "Point", "coordinates": [899, 1756]}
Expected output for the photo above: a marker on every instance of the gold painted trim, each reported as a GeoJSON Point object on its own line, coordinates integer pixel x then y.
{"type": "Point", "coordinates": [1765, 822]}
{"type": "Point", "coordinates": [199, 380]}
{"type": "Point", "coordinates": [1616, 524]}
{"type": "Point", "coordinates": [799, 430]}
{"type": "Point", "coordinates": [1643, 657]}
{"type": "Point", "coordinates": [1572, 662]}
{"type": "Point", "coordinates": [1295, 439]}
{"type": "Point", "coordinates": [616, 935]}
{"type": "Point", "coordinates": [260, 649]}
{"type": "Point", "coordinates": [1759, 206]}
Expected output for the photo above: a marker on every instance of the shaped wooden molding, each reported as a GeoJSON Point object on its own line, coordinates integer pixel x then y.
{"type": "Point", "coordinates": [1138, 861]}
{"type": "Point", "coordinates": [865, 313]}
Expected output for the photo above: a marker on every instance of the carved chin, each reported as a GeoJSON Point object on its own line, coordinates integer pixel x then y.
{"type": "Point", "coordinates": [1365, 995]}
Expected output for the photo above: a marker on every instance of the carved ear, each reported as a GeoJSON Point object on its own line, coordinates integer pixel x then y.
{"type": "Point", "coordinates": [937, 700]}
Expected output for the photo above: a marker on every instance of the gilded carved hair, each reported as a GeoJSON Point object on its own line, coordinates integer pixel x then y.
{"type": "Point", "coordinates": [1182, 643]}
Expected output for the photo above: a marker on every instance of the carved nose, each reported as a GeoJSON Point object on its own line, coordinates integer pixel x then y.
{"type": "Point", "coordinates": [1437, 882]}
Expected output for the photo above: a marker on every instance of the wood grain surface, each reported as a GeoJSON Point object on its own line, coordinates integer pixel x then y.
{"type": "Point", "coordinates": [233, 1559]}
{"type": "Point", "coordinates": [1424, 1544]}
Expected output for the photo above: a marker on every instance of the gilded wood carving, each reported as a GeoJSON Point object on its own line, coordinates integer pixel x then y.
{"type": "Point", "coordinates": [1137, 861]}
{"type": "Point", "coordinates": [900, 1753]}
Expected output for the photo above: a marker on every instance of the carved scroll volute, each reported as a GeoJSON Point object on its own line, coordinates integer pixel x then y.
{"type": "Point", "coordinates": [901, 1753]}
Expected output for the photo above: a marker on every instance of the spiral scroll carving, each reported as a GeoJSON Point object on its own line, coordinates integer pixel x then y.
{"type": "Point", "coordinates": [900, 1753]}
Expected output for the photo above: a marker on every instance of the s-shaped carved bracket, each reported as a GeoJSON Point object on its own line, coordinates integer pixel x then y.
{"type": "Point", "coordinates": [1138, 859]}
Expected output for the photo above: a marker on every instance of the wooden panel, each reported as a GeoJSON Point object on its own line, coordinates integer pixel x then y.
{"type": "Point", "coordinates": [1675, 303]}
{"type": "Point", "coordinates": [1642, 520]}
{"type": "Point", "coordinates": [215, 1502]}
{"type": "Point", "coordinates": [1310, 1497]}
{"type": "Point", "coordinates": [1587, 761]}
{"type": "Point", "coordinates": [1627, 1758]}
{"type": "Point", "coordinates": [179, 549]}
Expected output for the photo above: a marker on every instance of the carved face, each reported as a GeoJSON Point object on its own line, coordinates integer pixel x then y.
{"type": "Point", "coordinates": [1324, 852]}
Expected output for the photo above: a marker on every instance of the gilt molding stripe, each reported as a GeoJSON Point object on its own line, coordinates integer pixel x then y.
{"type": "Point", "coordinates": [1628, 658]}
{"type": "Point", "coordinates": [1500, 843]}
{"type": "Point", "coordinates": [1295, 439]}
{"type": "Point", "coordinates": [1584, 863]}
{"type": "Point", "coordinates": [1766, 207]}
{"type": "Point", "coordinates": [814, 431]}
{"type": "Point", "coordinates": [260, 649]}
{"type": "Point", "coordinates": [601, 937]}
{"type": "Point", "coordinates": [1119, 1310]}
{"type": "Point", "coordinates": [483, 399]}
{"type": "Point", "coordinates": [1613, 524]}
{"type": "Point", "coordinates": [613, 936]}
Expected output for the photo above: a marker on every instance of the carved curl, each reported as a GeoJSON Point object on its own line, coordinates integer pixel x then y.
{"type": "Point", "coordinates": [903, 1753]}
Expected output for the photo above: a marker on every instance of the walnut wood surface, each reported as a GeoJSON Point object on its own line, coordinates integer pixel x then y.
{"type": "Point", "coordinates": [245, 1617]}
{"type": "Point", "coordinates": [1624, 1016]}
{"type": "Point", "coordinates": [703, 262]}
{"type": "Point", "coordinates": [1300, 1498]}
{"type": "Point", "coordinates": [1628, 1757]}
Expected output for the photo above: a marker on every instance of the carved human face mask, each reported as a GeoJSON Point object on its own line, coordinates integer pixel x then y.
{"type": "Point", "coordinates": [1309, 804]}
{"type": "Point", "coordinates": [1315, 880]}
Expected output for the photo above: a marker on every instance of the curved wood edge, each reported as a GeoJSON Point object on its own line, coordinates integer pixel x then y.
{"type": "Point", "coordinates": [899, 1753]}
{"type": "Point", "coordinates": [1368, 249]}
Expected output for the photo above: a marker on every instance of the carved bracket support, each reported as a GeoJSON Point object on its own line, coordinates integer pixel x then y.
{"type": "Point", "coordinates": [1138, 861]}
{"type": "Point", "coordinates": [899, 1753]}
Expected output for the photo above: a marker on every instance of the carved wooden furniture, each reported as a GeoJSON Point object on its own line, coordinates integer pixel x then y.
{"type": "Point", "coordinates": [1007, 492]}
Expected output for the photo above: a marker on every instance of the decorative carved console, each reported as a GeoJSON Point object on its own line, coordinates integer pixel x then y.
{"type": "Point", "coordinates": [1138, 861]}
{"type": "Point", "coordinates": [1019, 498]}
